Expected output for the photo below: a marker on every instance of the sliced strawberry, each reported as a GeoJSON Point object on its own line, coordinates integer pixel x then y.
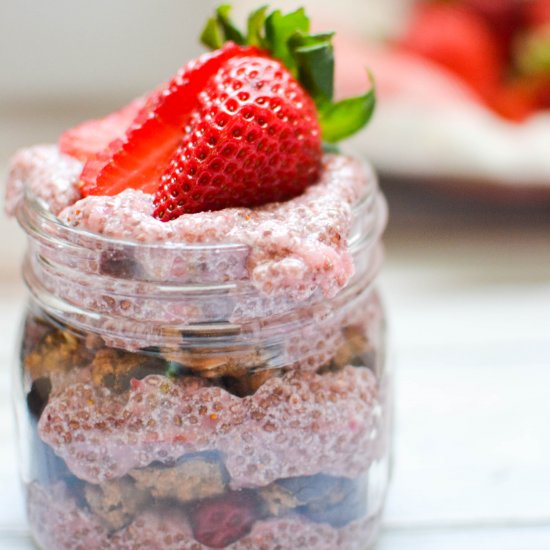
{"type": "Point", "coordinates": [91, 137]}
{"type": "Point", "coordinates": [255, 139]}
{"type": "Point", "coordinates": [138, 158]}
{"type": "Point", "coordinates": [458, 39]}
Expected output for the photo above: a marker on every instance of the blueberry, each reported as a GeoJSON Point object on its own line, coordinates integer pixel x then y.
{"type": "Point", "coordinates": [37, 398]}
{"type": "Point", "coordinates": [309, 489]}
{"type": "Point", "coordinates": [46, 466]}
{"type": "Point", "coordinates": [346, 502]}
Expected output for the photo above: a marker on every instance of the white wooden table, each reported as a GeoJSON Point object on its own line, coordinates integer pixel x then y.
{"type": "Point", "coordinates": [468, 295]}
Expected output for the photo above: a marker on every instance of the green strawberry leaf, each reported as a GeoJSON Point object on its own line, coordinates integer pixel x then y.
{"type": "Point", "coordinates": [279, 29]}
{"type": "Point", "coordinates": [343, 119]}
{"type": "Point", "coordinates": [314, 55]}
{"type": "Point", "coordinates": [230, 31]}
{"type": "Point", "coordinates": [533, 53]}
{"type": "Point", "coordinates": [212, 36]}
{"type": "Point", "coordinates": [310, 58]}
{"type": "Point", "coordinates": [256, 23]}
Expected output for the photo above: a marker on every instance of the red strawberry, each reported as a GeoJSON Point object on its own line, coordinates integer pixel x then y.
{"type": "Point", "coordinates": [93, 136]}
{"type": "Point", "coordinates": [515, 102]}
{"type": "Point", "coordinates": [139, 157]}
{"type": "Point", "coordinates": [254, 139]}
{"type": "Point", "coordinates": [537, 12]}
{"type": "Point", "coordinates": [234, 128]}
{"type": "Point", "coordinates": [523, 97]}
{"type": "Point", "coordinates": [461, 41]}
{"type": "Point", "coordinates": [503, 16]}
{"type": "Point", "coordinates": [219, 522]}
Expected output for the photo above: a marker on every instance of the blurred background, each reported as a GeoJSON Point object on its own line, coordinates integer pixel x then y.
{"type": "Point", "coordinates": [467, 279]}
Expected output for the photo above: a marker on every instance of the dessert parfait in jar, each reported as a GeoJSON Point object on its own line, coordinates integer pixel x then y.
{"type": "Point", "coordinates": [202, 360]}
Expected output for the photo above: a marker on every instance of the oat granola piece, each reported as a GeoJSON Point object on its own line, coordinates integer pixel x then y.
{"type": "Point", "coordinates": [356, 350]}
{"type": "Point", "coordinates": [115, 502]}
{"type": "Point", "coordinates": [194, 478]}
{"type": "Point", "coordinates": [114, 369]}
{"type": "Point", "coordinates": [250, 382]}
{"type": "Point", "coordinates": [34, 331]}
{"type": "Point", "coordinates": [277, 500]}
{"type": "Point", "coordinates": [57, 353]}
{"type": "Point", "coordinates": [225, 363]}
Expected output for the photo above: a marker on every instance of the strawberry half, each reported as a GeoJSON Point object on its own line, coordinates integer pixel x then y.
{"type": "Point", "coordinates": [138, 159]}
{"type": "Point", "coordinates": [241, 126]}
{"type": "Point", "coordinates": [88, 139]}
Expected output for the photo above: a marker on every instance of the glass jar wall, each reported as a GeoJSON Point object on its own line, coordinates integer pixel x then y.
{"type": "Point", "coordinates": [165, 402]}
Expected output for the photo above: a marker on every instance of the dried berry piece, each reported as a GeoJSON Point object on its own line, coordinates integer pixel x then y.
{"type": "Point", "coordinates": [115, 502]}
{"type": "Point", "coordinates": [197, 477]}
{"type": "Point", "coordinates": [58, 352]}
{"type": "Point", "coordinates": [37, 398]}
{"type": "Point", "coordinates": [114, 368]}
{"type": "Point", "coordinates": [219, 522]}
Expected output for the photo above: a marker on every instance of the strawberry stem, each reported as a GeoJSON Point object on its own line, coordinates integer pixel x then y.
{"type": "Point", "coordinates": [310, 57]}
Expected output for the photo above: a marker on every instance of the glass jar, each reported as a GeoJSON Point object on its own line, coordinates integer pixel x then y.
{"type": "Point", "coordinates": [164, 402]}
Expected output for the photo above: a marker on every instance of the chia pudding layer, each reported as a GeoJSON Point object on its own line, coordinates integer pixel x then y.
{"type": "Point", "coordinates": [228, 360]}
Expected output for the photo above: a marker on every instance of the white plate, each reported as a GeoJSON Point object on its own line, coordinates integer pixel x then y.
{"type": "Point", "coordinates": [430, 127]}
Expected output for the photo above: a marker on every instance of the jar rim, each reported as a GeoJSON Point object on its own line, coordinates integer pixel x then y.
{"type": "Point", "coordinates": [144, 288]}
{"type": "Point", "coordinates": [32, 207]}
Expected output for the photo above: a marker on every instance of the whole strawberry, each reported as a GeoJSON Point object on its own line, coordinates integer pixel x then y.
{"type": "Point", "coordinates": [255, 139]}
{"type": "Point", "coordinates": [242, 126]}
{"type": "Point", "coordinates": [504, 17]}
{"type": "Point", "coordinates": [458, 39]}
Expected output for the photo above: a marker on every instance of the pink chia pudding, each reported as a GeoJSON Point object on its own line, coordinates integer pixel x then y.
{"type": "Point", "coordinates": [203, 369]}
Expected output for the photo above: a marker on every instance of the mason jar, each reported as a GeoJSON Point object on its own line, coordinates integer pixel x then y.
{"type": "Point", "coordinates": [164, 401]}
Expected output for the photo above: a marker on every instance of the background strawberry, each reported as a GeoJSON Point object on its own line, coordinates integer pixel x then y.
{"type": "Point", "coordinates": [503, 17]}
{"type": "Point", "coordinates": [241, 126]}
{"type": "Point", "coordinates": [459, 40]}
{"type": "Point", "coordinates": [536, 12]}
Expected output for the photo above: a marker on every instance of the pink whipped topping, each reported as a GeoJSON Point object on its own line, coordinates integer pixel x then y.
{"type": "Point", "coordinates": [59, 523]}
{"type": "Point", "coordinates": [300, 245]}
{"type": "Point", "coordinates": [300, 424]}
{"type": "Point", "coordinates": [45, 172]}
